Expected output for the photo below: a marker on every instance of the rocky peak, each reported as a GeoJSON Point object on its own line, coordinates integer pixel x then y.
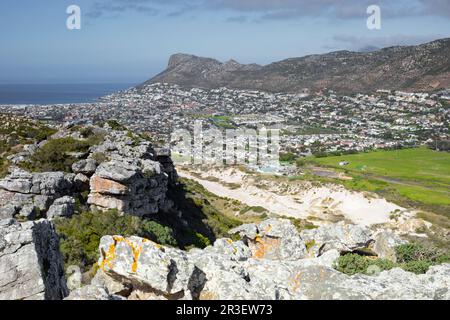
{"type": "Point", "coordinates": [188, 59]}
{"type": "Point", "coordinates": [397, 68]}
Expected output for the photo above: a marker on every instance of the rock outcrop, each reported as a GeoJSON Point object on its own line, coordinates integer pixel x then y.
{"type": "Point", "coordinates": [275, 268]}
{"type": "Point", "coordinates": [134, 179]}
{"type": "Point", "coordinates": [31, 266]}
{"type": "Point", "coordinates": [123, 172]}
{"type": "Point", "coordinates": [30, 194]}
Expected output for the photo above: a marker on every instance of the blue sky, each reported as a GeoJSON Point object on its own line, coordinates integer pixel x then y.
{"type": "Point", "coordinates": [129, 41]}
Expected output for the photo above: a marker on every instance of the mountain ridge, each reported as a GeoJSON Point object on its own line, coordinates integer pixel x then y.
{"type": "Point", "coordinates": [424, 67]}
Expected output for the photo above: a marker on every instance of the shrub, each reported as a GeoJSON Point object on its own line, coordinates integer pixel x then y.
{"type": "Point", "coordinates": [287, 157]}
{"type": "Point", "coordinates": [100, 157]}
{"type": "Point", "coordinates": [55, 154]}
{"type": "Point", "coordinates": [352, 264]}
{"type": "Point", "coordinates": [415, 252]}
{"type": "Point", "coordinates": [158, 233]}
{"type": "Point", "coordinates": [114, 125]}
{"type": "Point", "coordinates": [412, 257]}
{"type": "Point", "coordinates": [199, 240]}
{"type": "Point", "coordinates": [418, 267]}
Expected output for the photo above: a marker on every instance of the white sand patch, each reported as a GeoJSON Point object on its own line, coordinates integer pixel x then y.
{"type": "Point", "coordinates": [301, 201]}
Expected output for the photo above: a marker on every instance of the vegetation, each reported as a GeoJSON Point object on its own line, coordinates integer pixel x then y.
{"type": "Point", "coordinates": [353, 263]}
{"type": "Point", "coordinates": [419, 177]}
{"type": "Point", "coordinates": [80, 235]}
{"type": "Point", "coordinates": [16, 132]}
{"type": "Point", "coordinates": [114, 125]}
{"type": "Point", "coordinates": [287, 157]}
{"type": "Point", "coordinates": [412, 257]}
{"type": "Point", "coordinates": [59, 154]}
{"type": "Point", "coordinates": [203, 212]}
{"type": "Point", "coordinates": [224, 122]}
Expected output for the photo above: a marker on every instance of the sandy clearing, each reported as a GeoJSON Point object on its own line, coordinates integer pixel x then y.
{"type": "Point", "coordinates": [303, 203]}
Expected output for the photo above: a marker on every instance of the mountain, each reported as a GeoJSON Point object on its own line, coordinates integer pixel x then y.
{"type": "Point", "coordinates": [423, 67]}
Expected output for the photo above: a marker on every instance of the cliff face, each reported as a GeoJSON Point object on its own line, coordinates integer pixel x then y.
{"type": "Point", "coordinates": [416, 68]}
{"type": "Point", "coordinates": [31, 266]}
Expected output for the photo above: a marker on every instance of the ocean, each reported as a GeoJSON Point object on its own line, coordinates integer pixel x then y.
{"type": "Point", "coordinates": [56, 93]}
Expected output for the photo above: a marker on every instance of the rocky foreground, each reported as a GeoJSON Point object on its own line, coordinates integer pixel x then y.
{"type": "Point", "coordinates": [268, 260]}
{"type": "Point", "coordinates": [271, 261]}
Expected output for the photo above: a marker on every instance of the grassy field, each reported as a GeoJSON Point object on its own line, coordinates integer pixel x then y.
{"type": "Point", "coordinates": [420, 175]}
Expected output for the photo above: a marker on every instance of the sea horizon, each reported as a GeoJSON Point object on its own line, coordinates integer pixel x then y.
{"type": "Point", "coordinates": [59, 93]}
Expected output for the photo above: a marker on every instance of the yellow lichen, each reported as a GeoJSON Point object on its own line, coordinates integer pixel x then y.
{"type": "Point", "coordinates": [269, 227]}
{"type": "Point", "coordinates": [295, 282]}
{"type": "Point", "coordinates": [136, 250]}
{"type": "Point", "coordinates": [108, 257]}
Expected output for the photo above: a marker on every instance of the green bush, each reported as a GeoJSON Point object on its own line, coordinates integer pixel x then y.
{"type": "Point", "coordinates": [114, 125]}
{"type": "Point", "coordinates": [55, 154]}
{"type": "Point", "coordinates": [199, 240]}
{"type": "Point", "coordinates": [80, 235]}
{"type": "Point", "coordinates": [100, 157]}
{"type": "Point", "coordinates": [287, 157]}
{"type": "Point", "coordinates": [158, 233]}
{"type": "Point", "coordinates": [415, 252]}
{"type": "Point", "coordinates": [418, 267]}
{"type": "Point", "coordinates": [353, 264]}
{"type": "Point", "coordinates": [412, 257]}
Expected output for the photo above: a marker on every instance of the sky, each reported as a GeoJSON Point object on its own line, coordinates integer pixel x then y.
{"type": "Point", "coordinates": [129, 41]}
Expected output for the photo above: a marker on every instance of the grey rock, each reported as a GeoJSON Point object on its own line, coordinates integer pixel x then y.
{"type": "Point", "coordinates": [340, 236]}
{"type": "Point", "coordinates": [31, 266]}
{"type": "Point", "coordinates": [147, 265]}
{"type": "Point", "coordinates": [86, 167]}
{"type": "Point", "coordinates": [42, 202]}
{"type": "Point", "coordinates": [113, 286]}
{"type": "Point", "coordinates": [227, 270]}
{"type": "Point", "coordinates": [385, 243]}
{"type": "Point", "coordinates": [62, 207]}
{"type": "Point", "coordinates": [8, 211]}
{"type": "Point", "coordinates": [28, 212]}
{"type": "Point", "coordinates": [275, 239]}
{"type": "Point", "coordinates": [119, 171]}
{"type": "Point", "coordinates": [18, 181]}
{"type": "Point", "coordinates": [91, 292]}
{"type": "Point", "coordinates": [74, 278]}
{"type": "Point", "coordinates": [81, 182]}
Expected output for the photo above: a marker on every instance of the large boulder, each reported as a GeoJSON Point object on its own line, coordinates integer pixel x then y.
{"type": "Point", "coordinates": [146, 265]}
{"type": "Point", "coordinates": [62, 207]}
{"type": "Point", "coordinates": [86, 167]}
{"type": "Point", "coordinates": [31, 266]}
{"type": "Point", "coordinates": [385, 243]}
{"type": "Point", "coordinates": [276, 239]}
{"type": "Point", "coordinates": [340, 236]}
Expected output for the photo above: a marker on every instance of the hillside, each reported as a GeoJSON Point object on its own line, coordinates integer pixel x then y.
{"type": "Point", "coordinates": [424, 67]}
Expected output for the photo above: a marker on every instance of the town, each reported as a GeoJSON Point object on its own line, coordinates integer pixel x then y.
{"type": "Point", "coordinates": [320, 123]}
